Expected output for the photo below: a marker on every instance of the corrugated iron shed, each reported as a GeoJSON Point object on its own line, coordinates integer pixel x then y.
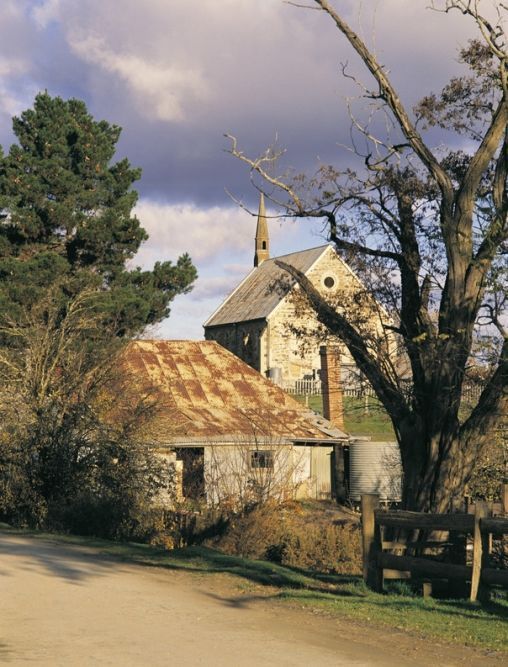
{"type": "Point", "coordinates": [263, 289]}
{"type": "Point", "coordinates": [207, 394]}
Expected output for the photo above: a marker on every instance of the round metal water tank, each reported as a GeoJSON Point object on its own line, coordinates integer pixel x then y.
{"type": "Point", "coordinates": [375, 467]}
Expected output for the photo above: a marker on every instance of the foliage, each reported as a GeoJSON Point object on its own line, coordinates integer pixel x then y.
{"type": "Point", "coordinates": [491, 470]}
{"type": "Point", "coordinates": [66, 458]}
{"type": "Point", "coordinates": [67, 219]}
{"type": "Point", "coordinates": [288, 535]}
{"type": "Point", "coordinates": [426, 230]}
{"type": "Point", "coordinates": [72, 451]}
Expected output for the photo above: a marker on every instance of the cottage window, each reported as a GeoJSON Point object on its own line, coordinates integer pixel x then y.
{"type": "Point", "coordinates": [261, 459]}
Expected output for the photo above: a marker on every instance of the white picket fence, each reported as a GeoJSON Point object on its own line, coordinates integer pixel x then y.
{"type": "Point", "coordinates": [362, 389]}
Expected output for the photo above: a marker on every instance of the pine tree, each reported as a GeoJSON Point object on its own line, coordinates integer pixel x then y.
{"type": "Point", "coordinates": [67, 219]}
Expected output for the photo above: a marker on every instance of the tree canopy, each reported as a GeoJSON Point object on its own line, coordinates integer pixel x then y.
{"type": "Point", "coordinates": [426, 229]}
{"type": "Point", "coordinates": [67, 216]}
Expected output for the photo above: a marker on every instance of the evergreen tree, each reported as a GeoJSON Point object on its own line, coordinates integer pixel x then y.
{"type": "Point", "coordinates": [67, 219]}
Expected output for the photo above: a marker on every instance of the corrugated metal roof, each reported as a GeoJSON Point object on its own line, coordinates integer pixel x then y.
{"type": "Point", "coordinates": [207, 394]}
{"type": "Point", "coordinates": [263, 289]}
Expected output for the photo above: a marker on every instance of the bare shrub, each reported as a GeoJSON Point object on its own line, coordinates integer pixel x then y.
{"type": "Point", "coordinates": [251, 533]}
{"type": "Point", "coordinates": [250, 473]}
{"type": "Point", "coordinates": [321, 548]}
{"type": "Point", "coordinates": [281, 534]}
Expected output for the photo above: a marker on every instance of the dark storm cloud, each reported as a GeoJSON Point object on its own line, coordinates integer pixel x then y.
{"type": "Point", "coordinates": [177, 75]}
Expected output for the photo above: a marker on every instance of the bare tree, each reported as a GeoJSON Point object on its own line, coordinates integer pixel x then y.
{"type": "Point", "coordinates": [254, 468]}
{"type": "Point", "coordinates": [426, 229]}
{"type": "Point", "coordinates": [72, 447]}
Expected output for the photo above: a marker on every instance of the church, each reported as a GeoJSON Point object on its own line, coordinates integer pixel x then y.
{"type": "Point", "coordinates": [266, 322]}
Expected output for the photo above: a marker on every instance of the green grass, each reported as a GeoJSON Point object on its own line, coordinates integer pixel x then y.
{"type": "Point", "coordinates": [455, 621]}
{"type": "Point", "coordinates": [360, 417]}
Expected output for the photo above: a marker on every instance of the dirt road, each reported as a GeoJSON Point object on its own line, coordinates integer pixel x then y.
{"type": "Point", "coordinates": [71, 606]}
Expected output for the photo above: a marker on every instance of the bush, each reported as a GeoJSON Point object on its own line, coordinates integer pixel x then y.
{"type": "Point", "coordinates": [491, 469]}
{"type": "Point", "coordinates": [106, 518]}
{"type": "Point", "coordinates": [285, 535]}
{"type": "Point", "coordinates": [330, 548]}
{"type": "Point", "coordinates": [252, 532]}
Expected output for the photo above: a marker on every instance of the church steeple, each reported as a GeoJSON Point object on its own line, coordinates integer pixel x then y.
{"type": "Point", "coordinates": [262, 241]}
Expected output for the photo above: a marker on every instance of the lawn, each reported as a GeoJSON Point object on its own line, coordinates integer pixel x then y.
{"type": "Point", "coordinates": [362, 416]}
{"type": "Point", "coordinates": [455, 621]}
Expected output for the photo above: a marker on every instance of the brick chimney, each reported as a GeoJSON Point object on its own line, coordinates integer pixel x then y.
{"type": "Point", "coordinates": [333, 408]}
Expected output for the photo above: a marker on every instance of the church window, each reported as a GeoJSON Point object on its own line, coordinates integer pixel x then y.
{"type": "Point", "coordinates": [329, 282]}
{"type": "Point", "coordinates": [263, 245]}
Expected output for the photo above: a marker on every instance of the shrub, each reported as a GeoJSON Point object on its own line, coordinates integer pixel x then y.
{"type": "Point", "coordinates": [250, 533]}
{"type": "Point", "coordinates": [284, 535]}
{"type": "Point", "coordinates": [491, 469]}
{"type": "Point", "coordinates": [323, 548]}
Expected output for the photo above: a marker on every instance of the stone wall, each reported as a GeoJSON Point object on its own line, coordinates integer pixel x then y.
{"type": "Point", "coordinates": [294, 335]}
{"type": "Point", "coordinates": [243, 339]}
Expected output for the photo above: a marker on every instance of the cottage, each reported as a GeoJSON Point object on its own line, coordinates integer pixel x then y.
{"type": "Point", "coordinates": [265, 323]}
{"type": "Point", "coordinates": [235, 433]}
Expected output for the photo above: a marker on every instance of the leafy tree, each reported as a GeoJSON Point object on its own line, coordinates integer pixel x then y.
{"type": "Point", "coordinates": [426, 229]}
{"type": "Point", "coordinates": [72, 449]}
{"type": "Point", "coordinates": [67, 213]}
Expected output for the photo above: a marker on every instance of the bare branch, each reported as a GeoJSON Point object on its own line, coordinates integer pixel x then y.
{"type": "Point", "coordinates": [389, 94]}
{"type": "Point", "coordinates": [258, 165]}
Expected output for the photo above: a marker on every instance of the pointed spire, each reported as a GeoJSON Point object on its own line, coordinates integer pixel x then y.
{"type": "Point", "coordinates": [262, 246]}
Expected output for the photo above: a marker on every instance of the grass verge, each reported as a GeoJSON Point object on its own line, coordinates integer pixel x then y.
{"type": "Point", "coordinates": [361, 417]}
{"type": "Point", "coordinates": [455, 621]}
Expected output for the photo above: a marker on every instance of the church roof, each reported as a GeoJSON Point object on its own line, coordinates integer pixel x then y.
{"type": "Point", "coordinates": [263, 289]}
{"type": "Point", "coordinates": [206, 394]}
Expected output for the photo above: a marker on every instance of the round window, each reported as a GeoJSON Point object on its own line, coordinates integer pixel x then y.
{"type": "Point", "coordinates": [329, 282]}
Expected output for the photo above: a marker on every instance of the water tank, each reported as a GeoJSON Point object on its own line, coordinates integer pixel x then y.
{"type": "Point", "coordinates": [375, 467]}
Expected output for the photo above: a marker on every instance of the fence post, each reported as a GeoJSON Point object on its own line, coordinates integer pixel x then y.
{"type": "Point", "coordinates": [480, 552]}
{"type": "Point", "coordinates": [504, 497]}
{"type": "Point", "coordinates": [371, 540]}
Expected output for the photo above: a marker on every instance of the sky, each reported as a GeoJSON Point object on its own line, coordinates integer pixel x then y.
{"type": "Point", "coordinates": [178, 75]}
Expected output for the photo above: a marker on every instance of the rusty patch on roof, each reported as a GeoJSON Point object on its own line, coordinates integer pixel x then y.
{"type": "Point", "coordinates": [205, 393]}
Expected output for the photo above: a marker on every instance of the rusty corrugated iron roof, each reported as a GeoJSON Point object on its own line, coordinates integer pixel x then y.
{"type": "Point", "coordinates": [207, 394]}
{"type": "Point", "coordinates": [263, 289]}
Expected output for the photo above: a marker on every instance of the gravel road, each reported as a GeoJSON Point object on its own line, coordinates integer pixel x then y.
{"type": "Point", "coordinates": [70, 606]}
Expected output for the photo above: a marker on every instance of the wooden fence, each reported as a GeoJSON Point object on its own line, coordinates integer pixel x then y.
{"type": "Point", "coordinates": [380, 563]}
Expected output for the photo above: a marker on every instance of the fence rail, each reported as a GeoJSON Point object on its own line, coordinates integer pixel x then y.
{"type": "Point", "coordinates": [363, 389]}
{"type": "Point", "coordinates": [379, 564]}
